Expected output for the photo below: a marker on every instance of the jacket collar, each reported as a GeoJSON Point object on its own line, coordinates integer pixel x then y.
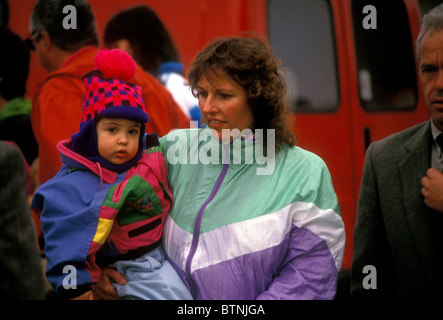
{"type": "Point", "coordinates": [81, 62]}
{"type": "Point", "coordinates": [74, 160]}
{"type": "Point", "coordinates": [78, 64]}
{"type": "Point", "coordinates": [238, 150]}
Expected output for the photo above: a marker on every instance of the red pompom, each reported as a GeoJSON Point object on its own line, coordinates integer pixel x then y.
{"type": "Point", "coordinates": [115, 63]}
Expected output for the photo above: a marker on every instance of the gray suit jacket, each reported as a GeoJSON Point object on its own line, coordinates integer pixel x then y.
{"type": "Point", "coordinates": [20, 266]}
{"type": "Point", "coordinates": [395, 232]}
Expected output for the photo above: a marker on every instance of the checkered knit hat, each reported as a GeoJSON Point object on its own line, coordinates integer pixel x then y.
{"type": "Point", "coordinates": [109, 95]}
{"type": "Point", "coordinates": [108, 92]}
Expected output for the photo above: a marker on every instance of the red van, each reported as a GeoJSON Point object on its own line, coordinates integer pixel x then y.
{"type": "Point", "coordinates": [350, 66]}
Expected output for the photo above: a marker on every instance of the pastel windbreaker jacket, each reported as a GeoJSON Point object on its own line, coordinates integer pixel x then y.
{"type": "Point", "coordinates": [237, 233]}
{"type": "Point", "coordinates": [92, 216]}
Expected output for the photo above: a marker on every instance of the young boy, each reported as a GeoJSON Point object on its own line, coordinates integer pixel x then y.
{"type": "Point", "coordinates": [107, 204]}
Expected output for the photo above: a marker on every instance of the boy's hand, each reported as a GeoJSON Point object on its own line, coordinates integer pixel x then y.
{"type": "Point", "coordinates": [103, 289]}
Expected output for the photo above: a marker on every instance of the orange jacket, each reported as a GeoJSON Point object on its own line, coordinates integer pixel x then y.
{"type": "Point", "coordinates": [57, 104]}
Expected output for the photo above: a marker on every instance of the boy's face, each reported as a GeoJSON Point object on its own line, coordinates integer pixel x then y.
{"type": "Point", "coordinates": [118, 139]}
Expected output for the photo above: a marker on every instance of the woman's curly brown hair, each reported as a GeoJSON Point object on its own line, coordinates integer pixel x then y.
{"type": "Point", "coordinates": [250, 62]}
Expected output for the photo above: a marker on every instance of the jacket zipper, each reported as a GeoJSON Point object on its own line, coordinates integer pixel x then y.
{"type": "Point", "coordinates": [197, 224]}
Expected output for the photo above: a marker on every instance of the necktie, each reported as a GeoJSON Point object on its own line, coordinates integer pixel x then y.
{"type": "Point", "coordinates": [439, 140]}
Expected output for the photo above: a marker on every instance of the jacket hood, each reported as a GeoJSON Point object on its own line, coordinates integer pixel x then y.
{"type": "Point", "coordinates": [77, 161]}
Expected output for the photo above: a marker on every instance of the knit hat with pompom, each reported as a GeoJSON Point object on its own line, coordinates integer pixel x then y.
{"type": "Point", "coordinates": [108, 92]}
{"type": "Point", "coordinates": [109, 95]}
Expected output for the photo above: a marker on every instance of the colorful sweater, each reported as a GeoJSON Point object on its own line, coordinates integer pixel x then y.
{"type": "Point", "coordinates": [237, 234]}
{"type": "Point", "coordinates": [92, 216]}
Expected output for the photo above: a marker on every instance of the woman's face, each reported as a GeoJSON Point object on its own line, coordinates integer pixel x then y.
{"type": "Point", "coordinates": [223, 104]}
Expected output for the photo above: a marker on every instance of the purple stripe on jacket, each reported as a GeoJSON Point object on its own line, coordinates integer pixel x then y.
{"type": "Point", "coordinates": [302, 276]}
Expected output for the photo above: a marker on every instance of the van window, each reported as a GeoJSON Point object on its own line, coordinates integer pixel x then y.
{"type": "Point", "coordinates": [302, 36]}
{"type": "Point", "coordinates": [385, 55]}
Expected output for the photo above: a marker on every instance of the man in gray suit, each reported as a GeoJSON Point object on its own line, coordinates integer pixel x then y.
{"type": "Point", "coordinates": [398, 236]}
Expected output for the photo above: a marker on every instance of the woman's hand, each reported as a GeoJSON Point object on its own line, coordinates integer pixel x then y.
{"type": "Point", "coordinates": [103, 289]}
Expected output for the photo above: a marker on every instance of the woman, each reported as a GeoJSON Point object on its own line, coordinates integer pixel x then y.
{"type": "Point", "coordinates": [235, 231]}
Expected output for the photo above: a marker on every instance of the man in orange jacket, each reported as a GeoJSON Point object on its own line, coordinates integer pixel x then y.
{"type": "Point", "coordinates": [67, 54]}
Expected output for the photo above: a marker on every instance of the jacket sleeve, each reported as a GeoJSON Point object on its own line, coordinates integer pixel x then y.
{"type": "Point", "coordinates": [69, 228]}
{"type": "Point", "coordinates": [315, 248]}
